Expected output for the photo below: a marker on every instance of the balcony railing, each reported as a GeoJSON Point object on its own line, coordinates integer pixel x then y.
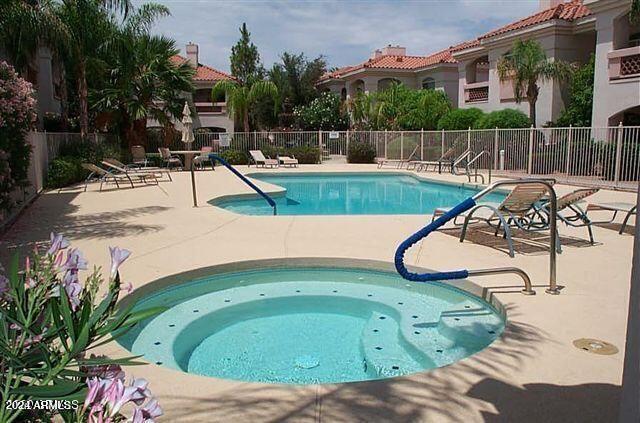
{"type": "Point", "coordinates": [208, 107]}
{"type": "Point", "coordinates": [624, 63]}
{"type": "Point", "coordinates": [477, 92]}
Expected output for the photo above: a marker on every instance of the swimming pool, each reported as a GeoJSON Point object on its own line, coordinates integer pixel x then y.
{"type": "Point", "coordinates": [311, 325]}
{"type": "Point", "coordinates": [356, 194]}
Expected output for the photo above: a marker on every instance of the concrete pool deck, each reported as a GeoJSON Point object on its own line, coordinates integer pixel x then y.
{"type": "Point", "coordinates": [532, 373]}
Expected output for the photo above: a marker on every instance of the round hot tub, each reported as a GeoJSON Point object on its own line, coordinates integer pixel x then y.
{"type": "Point", "coordinates": [310, 325]}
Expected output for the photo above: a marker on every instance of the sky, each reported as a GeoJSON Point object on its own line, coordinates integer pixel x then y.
{"type": "Point", "coordinates": [345, 32]}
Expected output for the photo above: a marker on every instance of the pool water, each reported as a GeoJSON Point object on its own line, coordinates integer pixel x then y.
{"type": "Point", "coordinates": [344, 194]}
{"type": "Point", "coordinates": [311, 326]}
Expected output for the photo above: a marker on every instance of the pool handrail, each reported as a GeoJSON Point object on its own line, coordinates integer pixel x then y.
{"type": "Point", "coordinates": [475, 159]}
{"type": "Point", "coordinates": [272, 203]}
{"type": "Point", "coordinates": [463, 274]}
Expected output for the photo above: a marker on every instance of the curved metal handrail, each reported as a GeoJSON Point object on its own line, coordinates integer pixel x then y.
{"type": "Point", "coordinates": [472, 161]}
{"type": "Point", "coordinates": [244, 179]}
{"type": "Point", "coordinates": [462, 274]}
{"type": "Point", "coordinates": [458, 160]}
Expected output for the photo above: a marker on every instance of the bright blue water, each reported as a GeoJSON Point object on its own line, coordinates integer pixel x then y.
{"type": "Point", "coordinates": [340, 194]}
{"type": "Point", "coordinates": [311, 325]}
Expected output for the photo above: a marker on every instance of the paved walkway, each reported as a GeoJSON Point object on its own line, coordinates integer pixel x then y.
{"type": "Point", "coordinates": [533, 373]}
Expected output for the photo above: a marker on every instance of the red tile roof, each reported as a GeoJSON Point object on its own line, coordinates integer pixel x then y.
{"type": "Point", "coordinates": [394, 62]}
{"type": "Point", "coordinates": [203, 72]}
{"type": "Point", "coordinates": [570, 11]}
{"type": "Point", "coordinates": [564, 11]}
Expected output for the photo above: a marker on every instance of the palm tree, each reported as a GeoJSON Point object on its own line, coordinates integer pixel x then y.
{"type": "Point", "coordinates": [525, 66]}
{"type": "Point", "coordinates": [86, 26]}
{"type": "Point", "coordinates": [143, 81]}
{"type": "Point", "coordinates": [241, 97]}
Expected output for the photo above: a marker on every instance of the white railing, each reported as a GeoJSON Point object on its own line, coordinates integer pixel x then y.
{"type": "Point", "coordinates": [607, 157]}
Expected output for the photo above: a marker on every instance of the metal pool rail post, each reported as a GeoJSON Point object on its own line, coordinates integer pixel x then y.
{"type": "Point", "coordinates": [462, 274]}
{"type": "Point", "coordinates": [244, 179]}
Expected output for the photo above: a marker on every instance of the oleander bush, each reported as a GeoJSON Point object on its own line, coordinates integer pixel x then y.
{"type": "Point", "coordinates": [460, 119]}
{"type": "Point", "coordinates": [17, 117]}
{"type": "Point", "coordinates": [361, 152]}
{"type": "Point", "coordinates": [503, 119]}
{"type": "Point", "coordinates": [51, 321]}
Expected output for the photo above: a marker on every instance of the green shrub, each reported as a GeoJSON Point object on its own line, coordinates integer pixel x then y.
{"type": "Point", "coordinates": [503, 119]}
{"type": "Point", "coordinates": [234, 157]}
{"type": "Point", "coordinates": [64, 171]}
{"type": "Point", "coordinates": [361, 152]}
{"type": "Point", "coordinates": [460, 119]}
{"type": "Point", "coordinates": [304, 154]}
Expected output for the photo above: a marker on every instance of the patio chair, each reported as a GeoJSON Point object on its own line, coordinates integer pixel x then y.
{"type": "Point", "coordinates": [203, 158]}
{"type": "Point", "coordinates": [629, 209]}
{"type": "Point", "coordinates": [139, 156]}
{"type": "Point", "coordinates": [168, 159]}
{"type": "Point", "coordinates": [399, 162]}
{"type": "Point", "coordinates": [99, 174]}
{"type": "Point", "coordinates": [259, 159]}
{"type": "Point", "coordinates": [516, 209]}
{"type": "Point", "coordinates": [288, 161]}
{"type": "Point", "coordinates": [443, 162]}
{"type": "Point", "coordinates": [116, 167]}
{"type": "Point", "coordinates": [577, 217]}
{"type": "Point", "coordinates": [136, 169]}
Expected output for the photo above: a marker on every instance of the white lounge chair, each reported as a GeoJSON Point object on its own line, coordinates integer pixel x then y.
{"type": "Point", "coordinates": [288, 161]}
{"type": "Point", "coordinates": [260, 160]}
{"type": "Point", "coordinates": [118, 167]}
{"type": "Point", "coordinates": [102, 175]}
{"type": "Point", "coordinates": [629, 209]}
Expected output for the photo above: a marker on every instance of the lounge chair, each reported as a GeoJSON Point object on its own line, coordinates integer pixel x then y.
{"type": "Point", "coordinates": [168, 159]}
{"type": "Point", "coordinates": [516, 209]}
{"type": "Point", "coordinates": [203, 158]}
{"type": "Point", "coordinates": [568, 203]}
{"type": "Point", "coordinates": [99, 174]}
{"type": "Point", "coordinates": [629, 209]}
{"type": "Point", "coordinates": [288, 161]}
{"type": "Point", "coordinates": [399, 162]}
{"type": "Point", "coordinates": [139, 156]}
{"type": "Point", "coordinates": [260, 160]}
{"type": "Point", "coordinates": [118, 167]}
{"type": "Point", "coordinates": [444, 161]}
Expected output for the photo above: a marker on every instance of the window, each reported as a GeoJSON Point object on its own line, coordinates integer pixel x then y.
{"type": "Point", "coordinates": [428, 84]}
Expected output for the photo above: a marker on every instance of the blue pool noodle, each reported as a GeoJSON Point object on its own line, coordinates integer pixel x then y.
{"type": "Point", "coordinates": [423, 233]}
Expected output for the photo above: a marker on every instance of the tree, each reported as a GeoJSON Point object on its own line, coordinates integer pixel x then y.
{"type": "Point", "coordinates": [504, 119]}
{"type": "Point", "coordinates": [143, 81]}
{"type": "Point", "coordinates": [460, 119]}
{"type": "Point", "coordinates": [88, 25]}
{"type": "Point", "coordinates": [240, 98]}
{"type": "Point", "coordinates": [527, 65]}
{"type": "Point", "coordinates": [324, 113]}
{"type": "Point", "coordinates": [580, 104]}
{"type": "Point", "coordinates": [245, 59]}
{"type": "Point", "coordinates": [296, 77]}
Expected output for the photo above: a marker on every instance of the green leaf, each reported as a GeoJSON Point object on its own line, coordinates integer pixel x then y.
{"type": "Point", "coordinates": [100, 361]}
{"type": "Point", "coordinates": [65, 312]}
{"type": "Point", "coordinates": [60, 387]}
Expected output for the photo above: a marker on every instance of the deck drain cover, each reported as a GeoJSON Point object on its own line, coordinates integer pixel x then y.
{"type": "Point", "coordinates": [595, 346]}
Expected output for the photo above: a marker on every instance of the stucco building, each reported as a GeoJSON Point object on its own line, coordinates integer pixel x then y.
{"type": "Point", "coordinates": [569, 31]}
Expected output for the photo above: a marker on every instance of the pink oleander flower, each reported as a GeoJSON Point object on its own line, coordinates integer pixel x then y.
{"type": "Point", "coordinates": [118, 256]}
{"type": "Point", "coordinates": [32, 340]}
{"type": "Point", "coordinates": [75, 261]}
{"type": "Point", "coordinates": [58, 242]}
{"type": "Point", "coordinates": [148, 413]}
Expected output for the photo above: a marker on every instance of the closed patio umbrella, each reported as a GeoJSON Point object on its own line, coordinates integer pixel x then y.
{"type": "Point", "coordinates": [187, 126]}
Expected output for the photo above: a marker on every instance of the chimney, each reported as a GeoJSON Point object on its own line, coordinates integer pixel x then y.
{"type": "Point", "coordinates": [192, 54]}
{"type": "Point", "coordinates": [548, 4]}
{"type": "Point", "coordinates": [377, 53]}
{"type": "Point", "coordinates": [394, 51]}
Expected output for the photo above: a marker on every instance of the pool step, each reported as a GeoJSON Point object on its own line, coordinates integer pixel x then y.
{"type": "Point", "coordinates": [384, 354]}
{"type": "Point", "coordinates": [471, 328]}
